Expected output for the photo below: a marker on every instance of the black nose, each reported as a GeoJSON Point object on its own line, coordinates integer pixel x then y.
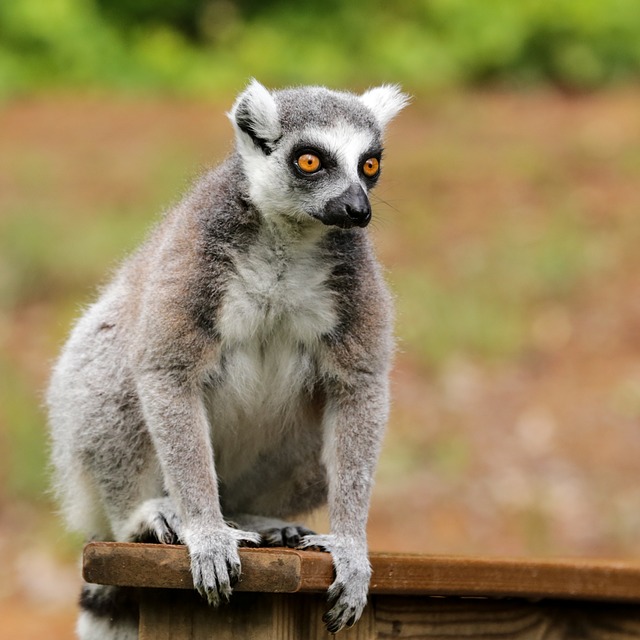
{"type": "Point", "coordinates": [359, 212]}
{"type": "Point", "coordinates": [350, 208]}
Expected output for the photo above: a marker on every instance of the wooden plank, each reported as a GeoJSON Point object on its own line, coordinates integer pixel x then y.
{"type": "Point", "coordinates": [171, 615]}
{"type": "Point", "coordinates": [506, 577]}
{"type": "Point", "coordinates": [447, 618]}
{"type": "Point", "coordinates": [167, 566]}
{"type": "Point", "coordinates": [289, 570]}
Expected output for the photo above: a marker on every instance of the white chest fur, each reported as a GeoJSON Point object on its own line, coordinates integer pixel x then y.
{"type": "Point", "coordinates": [276, 307]}
{"type": "Point", "coordinates": [279, 286]}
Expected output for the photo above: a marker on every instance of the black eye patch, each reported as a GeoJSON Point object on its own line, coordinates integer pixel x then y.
{"type": "Point", "coordinates": [326, 161]}
{"type": "Point", "coordinates": [374, 154]}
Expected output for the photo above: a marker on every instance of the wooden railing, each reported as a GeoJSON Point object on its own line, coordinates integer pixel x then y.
{"type": "Point", "coordinates": [281, 595]}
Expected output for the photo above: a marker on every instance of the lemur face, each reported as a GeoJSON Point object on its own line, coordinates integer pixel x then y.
{"type": "Point", "coordinates": [313, 154]}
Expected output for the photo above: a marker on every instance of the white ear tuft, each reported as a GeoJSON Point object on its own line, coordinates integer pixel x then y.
{"type": "Point", "coordinates": [255, 112]}
{"type": "Point", "coordinates": [385, 102]}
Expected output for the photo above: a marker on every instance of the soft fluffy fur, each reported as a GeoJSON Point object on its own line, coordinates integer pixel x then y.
{"type": "Point", "coordinates": [236, 368]}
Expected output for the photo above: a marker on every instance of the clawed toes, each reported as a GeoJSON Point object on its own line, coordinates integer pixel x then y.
{"type": "Point", "coordinates": [215, 596]}
{"type": "Point", "coordinates": [163, 531]}
{"type": "Point", "coordinates": [334, 595]}
{"type": "Point", "coordinates": [341, 613]}
{"type": "Point", "coordinates": [290, 536]}
{"type": "Point", "coordinates": [353, 619]}
{"type": "Point", "coordinates": [234, 574]}
{"type": "Point", "coordinates": [332, 622]}
{"type": "Point", "coordinates": [340, 617]}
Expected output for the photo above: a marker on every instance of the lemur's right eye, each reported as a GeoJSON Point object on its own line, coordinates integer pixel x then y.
{"type": "Point", "coordinates": [308, 163]}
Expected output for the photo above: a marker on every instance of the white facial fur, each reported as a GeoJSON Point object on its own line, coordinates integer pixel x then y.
{"type": "Point", "coordinates": [273, 188]}
{"type": "Point", "coordinates": [276, 191]}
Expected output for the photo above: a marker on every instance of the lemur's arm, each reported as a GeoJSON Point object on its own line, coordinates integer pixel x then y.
{"type": "Point", "coordinates": [175, 416]}
{"type": "Point", "coordinates": [354, 421]}
{"type": "Point", "coordinates": [356, 412]}
{"type": "Point", "coordinates": [171, 356]}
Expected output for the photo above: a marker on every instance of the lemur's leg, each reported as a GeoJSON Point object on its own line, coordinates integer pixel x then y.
{"type": "Point", "coordinates": [127, 477]}
{"type": "Point", "coordinates": [175, 415]}
{"type": "Point", "coordinates": [273, 531]}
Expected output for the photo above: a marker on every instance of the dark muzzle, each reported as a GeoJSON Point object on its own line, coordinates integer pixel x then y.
{"type": "Point", "coordinates": [350, 209]}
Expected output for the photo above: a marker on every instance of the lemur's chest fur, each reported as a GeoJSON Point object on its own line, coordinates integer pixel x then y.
{"type": "Point", "coordinates": [275, 309]}
{"type": "Point", "coordinates": [278, 287]}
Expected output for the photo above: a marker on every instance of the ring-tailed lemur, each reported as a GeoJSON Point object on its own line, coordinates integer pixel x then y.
{"type": "Point", "coordinates": [235, 371]}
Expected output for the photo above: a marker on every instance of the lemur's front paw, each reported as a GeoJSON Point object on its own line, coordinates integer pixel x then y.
{"type": "Point", "coordinates": [155, 520]}
{"type": "Point", "coordinates": [347, 596]}
{"type": "Point", "coordinates": [215, 563]}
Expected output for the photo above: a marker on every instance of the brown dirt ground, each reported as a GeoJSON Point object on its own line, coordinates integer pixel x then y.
{"type": "Point", "coordinates": [536, 453]}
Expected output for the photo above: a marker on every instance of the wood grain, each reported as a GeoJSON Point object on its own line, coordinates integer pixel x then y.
{"type": "Point", "coordinates": [250, 616]}
{"type": "Point", "coordinates": [461, 618]}
{"type": "Point", "coordinates": [288, 570]}
{"type": "Point", "coordinates": [506, 577]}
{"type": "Point", "coordinates": [167, 566]}
{"type": "Point", "coordinates": [172, 615]}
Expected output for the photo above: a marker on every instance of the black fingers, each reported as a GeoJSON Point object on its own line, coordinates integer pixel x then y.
{"type": "Point", "coordinates": [334, 596]}
{"type": "Point", "coordinates": [289, 536]}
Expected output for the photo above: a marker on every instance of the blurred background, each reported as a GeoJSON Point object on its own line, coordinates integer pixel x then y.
{"type": "Point", "coordinates": [507, 219]}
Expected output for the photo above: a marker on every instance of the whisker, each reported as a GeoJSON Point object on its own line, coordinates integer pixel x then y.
{"type": "Point", "coordinates": [387, 203]}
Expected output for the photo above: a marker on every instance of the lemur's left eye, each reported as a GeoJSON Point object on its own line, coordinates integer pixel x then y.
{"type": "Point", "coordinates": [371, 167]}
{"type": "Point", "coordinates": [309, 163]}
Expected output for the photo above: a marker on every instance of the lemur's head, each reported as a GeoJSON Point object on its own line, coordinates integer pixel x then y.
{"type": "Point", "coordinates": [311, 152]}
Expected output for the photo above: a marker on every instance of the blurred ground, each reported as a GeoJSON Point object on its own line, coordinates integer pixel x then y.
{"type": "Point", "coordinates": [509, 225]}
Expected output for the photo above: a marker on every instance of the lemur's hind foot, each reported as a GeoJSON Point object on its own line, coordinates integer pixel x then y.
{"type": "Point", "coordinates": [273, 531]}
{"type": "Point", "coordinates": [288, 536]}
{"type": "Point", "coordinates": [155, 520]}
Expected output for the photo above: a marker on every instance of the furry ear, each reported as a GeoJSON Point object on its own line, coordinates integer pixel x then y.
{"type": "Point", "coordinates": [256, 114]}
{"type": "Point", "coordinates": [385, 102]}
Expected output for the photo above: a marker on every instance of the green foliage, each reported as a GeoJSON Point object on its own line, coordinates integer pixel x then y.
{"type": "Point", "coordinates": [27, 472]}
{"type": "Point", "coordinates": [484, 308]}
{"type": "Point", "coordinates": [203, 46]}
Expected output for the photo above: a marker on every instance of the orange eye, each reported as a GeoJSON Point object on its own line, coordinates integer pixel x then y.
{"type": "Point", "coordinates": [309, 163]}
{"type": "Point", "coordinates": [371, 167]}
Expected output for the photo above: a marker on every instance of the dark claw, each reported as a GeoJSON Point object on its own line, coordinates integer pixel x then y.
{"type": "Point", "coordinates": [334, 596]}
{"type": "Point", "coordinates": [225, 596]}
{"type": "Point", "coordinates": [234, 574]}
{"type": "Point", "coordinates": [332, 618]}
{"type": "Point", "coordinates": [272, 537]}
{"type": "Point", "coordinates": [352, 620]}
{"type": "Point", "coordinates": [291, 537]}
{"type": "Point", "coordinates": [169, 536]}
{"type": "Point", "coordinates": [334, 627]}
{"type": "Point", "coordinates": [214, 594]}
{"type": "Point", "coordinates": [248, 543]}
